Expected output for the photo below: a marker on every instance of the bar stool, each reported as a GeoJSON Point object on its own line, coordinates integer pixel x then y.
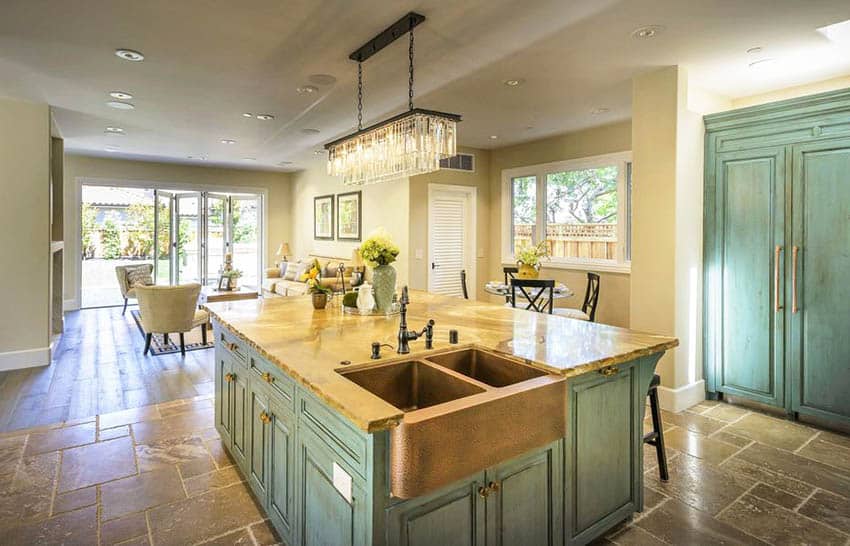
{"type": "Point", "coordinates": [656, 437]}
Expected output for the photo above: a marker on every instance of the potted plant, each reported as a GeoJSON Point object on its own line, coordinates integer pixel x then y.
{"type": "Point", "coordinates": [378, 251]}
{"type": "Point", "coordinates": [233, 275]}
{"type": "Point", "coordinates": [319, 293]}
{"type": "Point", "coordinates": [528, 260]}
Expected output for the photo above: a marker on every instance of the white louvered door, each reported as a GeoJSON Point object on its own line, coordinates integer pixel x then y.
{"type": "Point", "coordinates": [451, 233]}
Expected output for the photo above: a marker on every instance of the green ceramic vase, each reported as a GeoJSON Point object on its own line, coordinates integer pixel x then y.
{"type": "Point", "coordinates": [383, 281]}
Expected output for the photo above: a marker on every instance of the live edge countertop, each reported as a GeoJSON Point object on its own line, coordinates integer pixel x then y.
{"type": "Point", "coordinates": [309, 344]}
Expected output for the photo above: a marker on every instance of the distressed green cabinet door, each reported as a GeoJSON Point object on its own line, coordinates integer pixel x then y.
{"type": "Point", "coordinates": [224, 399]}
{"type": "Point", "coordinates": [748, 354]}
{"type": "Point", "coordinates": [257, 440]}
{"type": "Point", "coordinates": [239, 409]}
{"type": "Point", "coordinates": [601, 485]}
{"type": "Point", "coordinates": [332, 501]}
{"type": "Point", "coordinates": [820, 327]}
{"type": "Point", "coordinates": [525, 503]}
{"type": "Point", "coordinates": [450, 518]}
{"type": "Point", "coordinates": [281, 469]}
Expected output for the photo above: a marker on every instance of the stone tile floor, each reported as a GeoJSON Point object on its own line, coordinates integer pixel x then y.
{"type": "Point", "coordinates": [158, 475]}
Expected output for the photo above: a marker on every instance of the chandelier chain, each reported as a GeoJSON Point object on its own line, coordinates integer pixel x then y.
{"type": "Point", "coordinates": [359, 95]}
{"type": "Point", "coordinates": [410, 80]}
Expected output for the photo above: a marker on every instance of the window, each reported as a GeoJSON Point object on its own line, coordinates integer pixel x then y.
{"type": "Point", "coordinates": [581, 208]}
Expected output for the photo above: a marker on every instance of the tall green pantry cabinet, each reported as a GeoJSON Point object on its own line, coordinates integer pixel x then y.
{"type": "Point", "coordinates": [777, 255]}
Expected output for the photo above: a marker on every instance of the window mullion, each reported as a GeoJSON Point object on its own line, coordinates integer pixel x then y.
{"type": "Point", "coordinates": [540, 231]}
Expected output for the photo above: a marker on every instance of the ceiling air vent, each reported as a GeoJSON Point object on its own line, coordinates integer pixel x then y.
{"type": "Point", "coordinates": [459, 162]}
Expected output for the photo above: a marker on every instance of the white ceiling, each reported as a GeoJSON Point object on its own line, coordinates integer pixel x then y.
{"type": "Point", "coordinates": [208, 62]}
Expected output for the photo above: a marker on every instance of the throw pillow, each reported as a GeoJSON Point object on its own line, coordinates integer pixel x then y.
{"type": "Point", "coordinates": [291, 271]}
{"type": "Point", "coordinates": [139, 276]}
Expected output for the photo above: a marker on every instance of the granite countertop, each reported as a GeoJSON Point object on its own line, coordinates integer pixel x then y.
{"type": "Point", "coordinates": [308, 344]}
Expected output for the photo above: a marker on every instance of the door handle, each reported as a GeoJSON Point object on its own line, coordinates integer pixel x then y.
{"type": "Point", "coordinates": [434, 266]}
{"type": "Point", "coordinates": [776, 305]}
{"type": "Point", "coordinates": [794, 252]}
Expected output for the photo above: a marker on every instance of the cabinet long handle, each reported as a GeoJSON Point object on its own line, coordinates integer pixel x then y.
{"type": "Point", "coordinates": [776, 305]}
{"type": "Point", "coordinates": [794, 252]}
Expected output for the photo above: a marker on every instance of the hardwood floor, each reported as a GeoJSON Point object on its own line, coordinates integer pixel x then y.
{"type": "Point", "coordinates": [98, 368]}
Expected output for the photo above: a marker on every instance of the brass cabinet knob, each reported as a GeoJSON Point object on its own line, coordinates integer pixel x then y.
{"type": "Point", "coordinates": [229, 377]}
{"type": "Point", "coordinates": [494, 486]}
{"type": "Point", "coordinates": [609, 371]}
{"type": "Point", "coordinates": [232, 346]}
{"type": "Point", "coordinates": [267, 377]}
{"type": "Point", "coordinates": [264, 417]}
{"type": "Point", "coordinates": [483, 492]}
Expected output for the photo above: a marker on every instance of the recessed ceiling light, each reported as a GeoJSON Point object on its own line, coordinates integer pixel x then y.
{"type": "Point", "coordinates": [648, 31]}
{"type": "Point", "coordinates": [319, 152]}
{"type": "Point", "coordinates": [114, 130]}
{"type": "Point", "coordinates": [597, 111]}
{"type": "Point", "coordinates": [111, 148]}
{"type": "Point", "coordinates": [762, 64]}
{"type": "Point", "coordinates": [121, 95]}
{"type": "Point", "coordinates": [514, 83]}
{"type": "Point", "coordinates": [249, 159]}
{"type": "Point", "coordinates": [310, 131]}
{"type": "Point", "coordinates": [307, 89]}
{"type": "Point", "coordinates": [120, 105]}
{"type": "Point", "coordinates": [130, 55]}
{"type": "Point", "coordinates": [322, 79]}
{"type": "Point", "coordinates": [284, 163]}
{"type": "Point", "coordinates": [198, 157]}
{"type": "Point", "coordinates": [265, 117]}
{"type": "Point", "coordinates": [228, 141]}
{"type": "Point", "coordinates": [754, 50]}
{"type": "Point", "coordinates": [494, 137]}
{"type": "Point", "coordinates": [247, 115]}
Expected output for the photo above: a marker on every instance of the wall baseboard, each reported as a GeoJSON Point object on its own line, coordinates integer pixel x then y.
{"type": "Point", "coordinates": [30, 358]}
{"type": "Point", "coordinates": [681, 398]}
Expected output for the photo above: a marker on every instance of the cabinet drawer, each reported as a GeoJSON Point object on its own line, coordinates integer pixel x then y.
{"type": "Point", "coordinates": [229, 343]}
{"type": "Point", "coordinates": [342, 437]}
{"type": "Point", "coordinates": [278, 382]}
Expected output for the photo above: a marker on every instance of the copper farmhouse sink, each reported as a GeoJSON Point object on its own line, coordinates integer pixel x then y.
{"type": "Point", "coordinates": [464, 410]}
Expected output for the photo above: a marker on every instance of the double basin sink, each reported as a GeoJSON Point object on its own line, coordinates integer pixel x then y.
{"type": "Point", "coordinates": [464, 410]}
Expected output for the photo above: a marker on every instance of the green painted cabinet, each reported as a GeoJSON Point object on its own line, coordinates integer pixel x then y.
{"type": "Point", "coordinates": [257, 440]}
{"type": "Point", "coordinates": [820, 314]}
{"type": "Point", "coordinates": [239, 409]}
{"type": "Point", "coordinates": [224, 398]}
{"type": "Point", "coordinates": [777, 230]}
{"type": "Point", "coordinates": [331, 497]}
{"type": "Point", "coordinates": [281, 469]}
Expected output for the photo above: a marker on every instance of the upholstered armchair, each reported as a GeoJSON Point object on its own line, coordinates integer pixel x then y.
{"type": "Point", "coordinates": [128, 291]}
{"type": "Point", "coordinates": [169, 309]}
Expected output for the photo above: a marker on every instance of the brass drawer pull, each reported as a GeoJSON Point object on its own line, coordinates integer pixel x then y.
{"type": "Point", "coordinates": [794, 251]}
{"type": "Point", "coordinates": [231, 346]}
{"type": "Point", "coordinates": [267, 377]}
{"type": "Point", "coordinates": [264, 417]}
{"type": "Point", "coordinates": [483, 492]}
{"type": "Point", "coordinates": [229, 377]}
{"type": "Point", "coordinates": [777, 306]}
{"type": "Point", "coordinates": [494, 487]}
{"type": "Point", "coordinates": [608, 371]}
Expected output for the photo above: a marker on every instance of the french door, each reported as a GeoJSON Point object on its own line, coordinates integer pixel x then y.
{"type": "Point", "coordinates": [196, 230]}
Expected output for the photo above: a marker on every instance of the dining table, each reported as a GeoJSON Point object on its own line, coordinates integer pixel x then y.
{"type": "Point", "coordinates": [499, 288]}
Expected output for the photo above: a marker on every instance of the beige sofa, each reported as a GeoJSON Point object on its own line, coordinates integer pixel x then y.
{"type": "Point", "coordinates": [276, 285]}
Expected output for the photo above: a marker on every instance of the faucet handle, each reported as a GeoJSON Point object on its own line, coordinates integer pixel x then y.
{"type": "Point", "coordinates": [405, 299]}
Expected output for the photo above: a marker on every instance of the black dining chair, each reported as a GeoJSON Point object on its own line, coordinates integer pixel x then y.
{"type": "Point", "coordinates": [538, 293]}
{"type": "Point", "coordinates": [463, 284]}
{"type": "Point", "coordinates": [509, 272]}
{"type": "Point", "coordinates": [656, 437]}
{"type": "Point", "coordinates": [588, 306]}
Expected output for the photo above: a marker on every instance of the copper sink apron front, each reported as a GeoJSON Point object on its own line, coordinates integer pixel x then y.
{"type": "Point", "coordinates": [440, 444]}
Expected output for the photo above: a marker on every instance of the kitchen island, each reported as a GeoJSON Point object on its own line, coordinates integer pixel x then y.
{"type": "Point", "coordinates": [527, 431]}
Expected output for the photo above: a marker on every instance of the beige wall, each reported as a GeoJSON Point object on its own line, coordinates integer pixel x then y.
{"type": "Point", "coordinates": [385, 205]}
{"type": "Point", "coordinates": [833, 84]}
{"type": "Point", "coordinates": [24, 232]}
{"type": "Point", "coordinates": [419, 228]}
{"type": "Point", "coordinates": [614, 287]}
{"type": "Point", "coordinates": [278, 186]}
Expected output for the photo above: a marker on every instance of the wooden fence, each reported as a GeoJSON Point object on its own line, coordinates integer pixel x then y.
{"type": "Point", "coordinates": [597, 241]}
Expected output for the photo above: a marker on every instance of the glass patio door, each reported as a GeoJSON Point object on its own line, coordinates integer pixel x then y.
{"type": "Point", "coordinates": [187, 243]}
{"type": "Point", "coordinates": [164, 229]}
{"type": "Point", "coordinates": [216, 228]}
{"type": "Point", "coordinates": [245, 217]}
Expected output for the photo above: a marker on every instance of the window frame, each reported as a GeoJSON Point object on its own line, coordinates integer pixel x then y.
{"type": "Point", "coordinates": [540, 172]}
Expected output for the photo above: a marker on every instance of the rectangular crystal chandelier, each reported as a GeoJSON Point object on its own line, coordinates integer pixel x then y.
{"type": "Point", "coordinates": [408, 144]}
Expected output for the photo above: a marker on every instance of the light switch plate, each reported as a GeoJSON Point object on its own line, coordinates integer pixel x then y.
{"type": "Point", "coordinates": [342, 482]}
